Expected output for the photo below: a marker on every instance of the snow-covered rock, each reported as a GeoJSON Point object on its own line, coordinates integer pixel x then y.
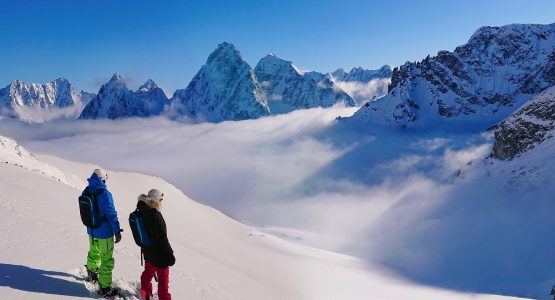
{"type": "Point", "coordinates": [115, 101]}
{"type": "Point", "coordinates": [480, 83]}
{"type": "Point", "coordinates": [288, 89]}
{"type": "Point", "coordinates": [27, 101]}
{"type": "Point", "coordinates": [531, 125]}
{"type": "Point", "coordinates": [361, 84]}
{"type": "Point", "coordinates": [225, 88]}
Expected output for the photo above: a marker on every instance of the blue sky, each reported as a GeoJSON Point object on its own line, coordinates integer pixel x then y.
{"type": "Point", "coordinates": [168, 41]}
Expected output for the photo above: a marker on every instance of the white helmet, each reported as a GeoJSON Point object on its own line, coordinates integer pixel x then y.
{"type": "Point", "coordinates": [101, 174]}
{"type": "Point", "coordinates": [155, 194]}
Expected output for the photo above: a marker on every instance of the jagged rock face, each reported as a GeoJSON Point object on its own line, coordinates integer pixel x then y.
{"type": "Point", "coordinates": [529, 126]}
{"type": "Point", "coordinates": [482, 81]}
{"type": "Point", "coordinates": [359, 74]}
{"type": "Point", "coordinates": [225, 88]}
{"type": "Point", "coordinates": [115, 101]}
{"type": "Point", "coordinates": [19, 95]}
{"type": "Point", "coordinates": [287, 89]}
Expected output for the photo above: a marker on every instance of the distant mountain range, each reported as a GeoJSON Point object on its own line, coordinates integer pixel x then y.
{"type": "Point", "coordinates": [22, 100]}
{"type": "Point", "coordinates": [115, 100]}
{"type": "Point", "coordinates": [359, 74]}
{"type": "Point", "coordinates": [289, 89]}
{"type": "Point", "coordinates": [480, 83]}
{"type": "Point", "coordinates": [225, 88]}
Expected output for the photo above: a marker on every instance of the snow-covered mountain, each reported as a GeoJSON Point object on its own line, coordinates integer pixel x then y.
{"type": "Point", "coordinates": [481, 82]}
{"type": "Point", "coordinates": [288, 89]}
{"type": "Point", "coordinates": [225, 88]}
{"type": "Point", "coordinates": [115, 101]}
{"type": "Point", "coordinates": [531, 125]}
{"type": "Point", "coordinates": [29, 101]}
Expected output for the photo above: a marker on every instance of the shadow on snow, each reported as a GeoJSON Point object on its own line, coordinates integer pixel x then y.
{"type": "Point", "coordinates": [27, 279]}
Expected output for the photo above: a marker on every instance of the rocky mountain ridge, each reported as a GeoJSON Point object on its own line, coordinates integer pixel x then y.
{"type": "Point", "coordinates": [481, 82]}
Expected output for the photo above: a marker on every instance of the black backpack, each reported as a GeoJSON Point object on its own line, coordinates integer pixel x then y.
{"type": "Point", "coordinates": [138, 228]}
{"type": "Point", "coordinates": [88, 207]}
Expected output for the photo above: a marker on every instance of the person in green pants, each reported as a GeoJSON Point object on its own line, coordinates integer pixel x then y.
{"type": "Point", "coordinates": [100, 260]}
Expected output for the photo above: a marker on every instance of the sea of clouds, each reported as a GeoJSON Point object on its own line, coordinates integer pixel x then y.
{"type": "Point", "coordinates": [426, 204]}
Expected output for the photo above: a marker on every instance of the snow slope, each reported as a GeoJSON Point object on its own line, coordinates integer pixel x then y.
{"type": "Point", "coordinates": [44, 244]}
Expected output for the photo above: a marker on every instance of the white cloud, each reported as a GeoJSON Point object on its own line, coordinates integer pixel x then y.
{"type": "Point", "coordinates": [38, 115]}
{"type": "Point", "coordinates": [454, 160]}
{"type": "Point", "coordinates": [265, 84]}
{"type": "Point", "coordinates": [382, 197]}
{"type": "Point", "coordinates": [364, 92]}
{"type": "Point", "coordinates": [300, 70]}
{"type": "Point", "coordinates": [270, 171]}
{"type": "Point", "coordinates": [431, 144]}
{"type": "Point", "coordinates": [276, 97]}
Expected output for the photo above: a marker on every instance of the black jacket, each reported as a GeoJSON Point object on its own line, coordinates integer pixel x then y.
{"type": "Point", "coordinates": [160, 253]}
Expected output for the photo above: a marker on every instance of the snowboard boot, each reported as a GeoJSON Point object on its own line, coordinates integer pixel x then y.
{"type": "Point", "coordinates": [109, 292]}
{"type": "Point", "coordinates": [92, 277]}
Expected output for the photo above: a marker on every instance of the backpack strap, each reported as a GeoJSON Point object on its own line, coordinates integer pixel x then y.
{"type": "Point", "coordinates": [95, 195]}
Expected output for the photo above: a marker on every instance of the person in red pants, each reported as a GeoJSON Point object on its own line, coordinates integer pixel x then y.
{"type": "Point", "coordinates": [158, 257]}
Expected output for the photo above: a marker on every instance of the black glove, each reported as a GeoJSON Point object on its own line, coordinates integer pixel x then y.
{"type": "Point", "coordinates": [118, 236]}
{"type": "Point", "coordinates": [172, 260]}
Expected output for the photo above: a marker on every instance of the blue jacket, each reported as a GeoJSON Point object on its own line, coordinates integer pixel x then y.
{"type": "Point", "coordinates": [110, 222]}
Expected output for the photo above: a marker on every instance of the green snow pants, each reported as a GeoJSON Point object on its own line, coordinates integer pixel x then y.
{"type": "Point", "coordinates": [100, 259]}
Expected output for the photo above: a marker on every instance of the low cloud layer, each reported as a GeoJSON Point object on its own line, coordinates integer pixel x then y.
{"type": "Point", "coordinates": [293, 171]}
{"type": "Point", "coordinates": [364, 91]}
{"type": "Point", "coordinates": [416, 202]}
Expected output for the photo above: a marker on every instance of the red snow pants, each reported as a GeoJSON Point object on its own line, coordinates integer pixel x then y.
{"type": "Point", "coordinates": [163, 281]}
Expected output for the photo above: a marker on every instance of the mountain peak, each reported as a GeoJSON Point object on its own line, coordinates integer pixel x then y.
{"type": "Point", "coordinates": [273, 64]}
{"type": "Point", "coordinates": [116, 77]}
{"type": "Point", "coordinates": [386, 67]}
{"type": "Point", "coordinates": [62, 81]}
{"type": "Point", "coordinates": [225, 51]}
{"type": "Point", "coordinates": [149, 85]}
{"type": "Point", "coordinates": [116, 82]}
